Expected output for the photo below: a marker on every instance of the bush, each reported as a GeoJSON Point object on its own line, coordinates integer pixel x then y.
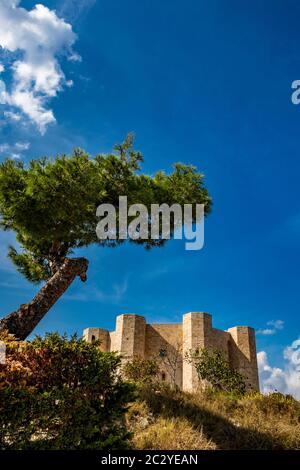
{"type": "Point", "coordinates": [213, 367]}
{"type": "Point", "coordinates": [141, 370]}
{"type": "Point", "coordinates": [60, 393]}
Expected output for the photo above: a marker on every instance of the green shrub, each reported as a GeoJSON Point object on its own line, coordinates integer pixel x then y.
{"type": "Point", "coordinates": [141, 370]}
{"type": "Point", "coordinates": [60, 393]}
{"type": "Point", "coordinates": [213, 367]}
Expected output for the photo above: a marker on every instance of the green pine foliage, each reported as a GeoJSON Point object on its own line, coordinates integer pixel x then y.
{"type": "Point", "coordinates": [51, 203]}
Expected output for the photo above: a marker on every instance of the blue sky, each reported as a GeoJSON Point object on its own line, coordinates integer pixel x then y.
{"type": "Point", "coordinates": [202, 82]}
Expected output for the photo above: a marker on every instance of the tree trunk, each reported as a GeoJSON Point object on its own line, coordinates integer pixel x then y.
{"type": "Point", "coordinates": [23, 321]}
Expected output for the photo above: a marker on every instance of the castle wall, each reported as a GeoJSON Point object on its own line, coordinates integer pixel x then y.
{"type": "Point", "coordinates": [242, 354]}
{"type": "Point", "coordinates": [169, 343]}
{"type": "Point", "coordinates": [164, 342]}
{"type": "Point", "coordinates": [113, 342]}
{"type": "Point", "coordinates": [218, 340]}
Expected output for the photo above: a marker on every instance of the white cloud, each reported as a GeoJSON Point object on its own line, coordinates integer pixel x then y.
{"type": "Point", "coordinates": [266, 331]}
{"type": "Point", "coordinates": [286, 380]}
{"type": "Point", "coordinates": [84, 79]}
{"type": "Point", "coordinates": [74, 9]}
{"type": "Point", "coordinates": [114, 296]}
{"type": "Point", "coordinates": [273, 327]}
{"type": "Point", "coordinates": [15, 156]}
{"type": "Point", "coordinates": [4, 148]}
{"type": "Point", "coordinates": [41, 36]}
{"type": "Point", "coordinates": [276, 324]}
{"type": "Point", "coordinates": [2, 92]}
{"type": "Point", "coordinates": [12, 116]}
{"type": "Point", "coordinates": [22, 145]}
{"type": "Point", "coordinates": [14, 151]}
{"type": "Point", "coordinates": [1, 68]}
{"type": "Point", "coordinates": [75, 57]}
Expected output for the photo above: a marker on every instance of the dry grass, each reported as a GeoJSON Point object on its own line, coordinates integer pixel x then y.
{"type": "Point", "coordinates": [171, 433]}
{"type": "Point", "coordinates": [167, 419]}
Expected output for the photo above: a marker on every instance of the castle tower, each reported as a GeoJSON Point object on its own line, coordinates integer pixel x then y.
{"type": "Point", "coordinates": [129, 337]}
{"type": "Point", "coordinates": [242, 354]}
{"type": "Point", "coordinates": [133, 337]}
{"type": "Point", "coordinates": [196, 331]}
{"type": "Point", "coordinates": [92, 334]}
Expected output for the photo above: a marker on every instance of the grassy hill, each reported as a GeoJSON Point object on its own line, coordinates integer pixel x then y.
{"type": "Point", "coordinates": [64, 393]}
{"type": "Point", "coordinates": [163, 419]}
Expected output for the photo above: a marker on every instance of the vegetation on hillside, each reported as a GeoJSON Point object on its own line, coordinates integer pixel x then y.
{"type": "Point", "coordinates": [60, 393]}
{"type": "Point", "coordinates": [220, 415]}
{"type": "Point", "coordinates": [140, 370]}
{"type": "Point", "coordinates": [165, 418]}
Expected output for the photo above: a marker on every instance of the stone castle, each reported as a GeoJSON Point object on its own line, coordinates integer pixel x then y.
{"type": "Point", "coordinates": [170, 342]}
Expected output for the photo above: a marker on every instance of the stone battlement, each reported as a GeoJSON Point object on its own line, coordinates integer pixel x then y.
{"type": "Point", "coordinates": [134, 337]}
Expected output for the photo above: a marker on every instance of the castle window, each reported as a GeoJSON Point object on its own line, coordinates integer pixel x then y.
{"type": "Point", "coordinates": [93, 338]}
{"type": "Point", "coordinates": [162, 353]}
{"type": "Point", "coordinates": [163, 376]}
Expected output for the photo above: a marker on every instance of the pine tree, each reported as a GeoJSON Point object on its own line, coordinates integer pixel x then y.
{"type": "Point", "coordinates": [51, 205]}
